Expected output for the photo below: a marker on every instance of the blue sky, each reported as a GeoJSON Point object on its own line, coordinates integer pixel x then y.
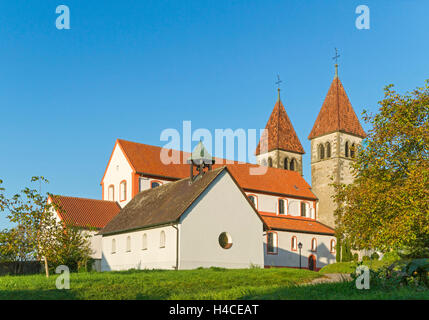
{"type": "Point", "coordinates": [130, 69]}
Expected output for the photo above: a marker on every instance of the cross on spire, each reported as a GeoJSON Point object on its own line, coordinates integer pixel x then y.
{"type": "Point", "coordinates": [336, 61]}
{"type": "Point", "coordinates": [278, 85]}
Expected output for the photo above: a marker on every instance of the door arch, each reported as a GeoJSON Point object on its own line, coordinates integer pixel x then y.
{"type": "Point", "coordinates": [312, 263]}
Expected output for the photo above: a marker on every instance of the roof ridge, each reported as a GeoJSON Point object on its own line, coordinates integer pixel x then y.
{"type": "Point", "coordinates": [83, 198]}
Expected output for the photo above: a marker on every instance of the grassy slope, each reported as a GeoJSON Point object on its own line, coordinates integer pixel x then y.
{"type": "Point", "coordinates": [193, 284]}
{"type": "Point", "coordinates": [349, 267]}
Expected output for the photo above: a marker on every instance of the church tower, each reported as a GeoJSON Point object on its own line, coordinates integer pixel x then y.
{"type": "Point", "coordinates": [334, 138]}
{"type": "Point", "coordinates": [279, 146]}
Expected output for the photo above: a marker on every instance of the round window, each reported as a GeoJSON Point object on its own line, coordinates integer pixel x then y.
{"type": "Point", "coordinates": [225, 240]}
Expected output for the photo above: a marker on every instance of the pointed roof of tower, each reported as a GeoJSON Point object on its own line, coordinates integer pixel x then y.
{"type": "Point", "coordinates": [337, 113]}
{"type": "Point", "coordinates": [281, 134]}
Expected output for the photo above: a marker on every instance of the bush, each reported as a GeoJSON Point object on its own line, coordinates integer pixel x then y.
{"type": "Point", "coordinates": [391, 256]}
{"type": "Point", "coordinates": [355, 257]}
{"type": "Point", "coordinates": [365, 258]}
{"type": "Point", "coordinates": [375, 256]}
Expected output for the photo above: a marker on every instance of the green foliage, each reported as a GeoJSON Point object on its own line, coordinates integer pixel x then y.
{"type": "Point", "coordinates": [355, 257]}
{"type": "Point", "coordinates": [375, 256]}
{"type": "Point", "coordinates": [366, 258]}
{"type": "Point", "coordinates": [338, 250]}
{"type": "Point", "coordinates": [38, 235]}
{"type": "Point", "coordinates": [391, 256]}
{"type": "Point", "coordinates": [386, 206]}
{"type": "Point", "coordinates": [346, 253]}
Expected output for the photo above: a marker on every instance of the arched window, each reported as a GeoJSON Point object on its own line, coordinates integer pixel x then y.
{"type": "Point", "coordinates": [294, 244]}
{"type": "Point", "coordinates": [111, 193]}
{"type": "Point", "coordinates": [333, 244]}
{"type": "Point", "coordinates": [144, 241]}
{"type": "Point", "coordinates": [314, 245]}
{"type": "Point", "coordinates": [253, 199]}
{"type": "Point", "coordinates": [303, 209]}
{"type": "Point", "coordinates": [155, 184]}
{"type": "Point", "coordinates": [292, 165]}
{"type": "Point", "coordinates": [346, 150]}
{"type": "Point", "coordinates": [128, 244]}
{"type": "Point", "coordinates": [272, 243]}
{"type": "Point", "coordinates": [328, 150]}
{"type": "Point", "coordinates": [162, 239]}
{"type": "Point", "coordinates": [286, 164]}
{"type": "Point", "coordinates": [282, 206]}
{"type": "Point", "coordinates": [270, 162]}
{"type": "Point", "coordinates": [352, 151]}
{"type": "Point", "coordinates": [123, 191]}
{"type": "Point", "coordinates": [321, 151]}
{"type": "Point", "coordinates": [113, 246]}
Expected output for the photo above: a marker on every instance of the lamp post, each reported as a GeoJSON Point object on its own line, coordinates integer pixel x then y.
{"type": "Point", "coordinates": [300, 247]}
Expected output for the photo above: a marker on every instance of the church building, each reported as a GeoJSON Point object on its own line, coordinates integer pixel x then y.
{"type": "Point", "coordinates": [226, 217]}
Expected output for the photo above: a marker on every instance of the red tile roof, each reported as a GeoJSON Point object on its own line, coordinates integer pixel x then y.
{"type": "Point", "coordinates": [336, 114]}
{"type": "Point", "coordinates": [280, 131]}
{"type": "Point", "coordinates": [86, 213]}
{"type": "Point", "coordinates": [297, 224]}
{"type": "Point", "coordinates": [145, 159]}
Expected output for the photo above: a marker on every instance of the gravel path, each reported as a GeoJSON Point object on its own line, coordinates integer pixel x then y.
{"type": "Point", "coordinates": [332, 277]}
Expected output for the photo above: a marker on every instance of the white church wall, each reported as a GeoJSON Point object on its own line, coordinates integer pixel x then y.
{"type": "Point", "coordinates": [223, 208]}
{"type": "Point", "coordinates": [287, 257]}
{"type": "Point", "coordinates": [269, 203]}
{"type": "Point", "coordinates": [146, 182]}
{"type": "Point", "coordinates": [153, 257]}
{"type": "Point", "coordinates": [117, 171]}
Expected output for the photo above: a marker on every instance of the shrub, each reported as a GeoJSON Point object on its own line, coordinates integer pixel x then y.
{"type": "Point", "coordinates": [375, 256]}
{"type": "Point", "coordinates": [355, 257]}
{"type": "Point", "coordinates": [391, 256]}
{"type": "Point", "coordinates": [365, 258]}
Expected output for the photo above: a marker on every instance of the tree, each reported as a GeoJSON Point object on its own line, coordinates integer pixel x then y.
{"type": "Point", "coordinates": [338, 249]}
{"type": "Point", "coordinates": [387, 207]}
{"type": "Point", "coordinates": [39, 235]}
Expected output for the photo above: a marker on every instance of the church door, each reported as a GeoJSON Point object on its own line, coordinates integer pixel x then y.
{"type": "Point", "coordinates": [312, 263]}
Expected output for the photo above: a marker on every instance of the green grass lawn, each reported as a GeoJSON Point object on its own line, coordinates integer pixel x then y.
{"type": "Point", "coordinates": [194, 284]}
{"type": "Point", "coordinates": [349, 267]}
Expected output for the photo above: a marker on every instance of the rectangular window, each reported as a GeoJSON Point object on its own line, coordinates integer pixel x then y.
{"type": "Point", "coordinates": [272, 243]}
{"type": "Point", "coordinates": [282, 206]}
{"type": "Point", "coordinates": [303, 209]}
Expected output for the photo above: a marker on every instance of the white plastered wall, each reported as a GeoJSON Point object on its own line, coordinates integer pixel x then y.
{"type": "Point", "coordinates": [222, 208]}
{"type": "Point", "coordinates": [118, 170]}
{"type": "Point", "coordinates": [154, 257]}
{"type": "Point", "coordinates": [286, 257]}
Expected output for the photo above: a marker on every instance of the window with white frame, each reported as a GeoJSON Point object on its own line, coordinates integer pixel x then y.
{"type": "Point", "coordinates": [162, 239]}
{"type": "Point", "coordinates": [313, 244]}
{"type": "Point", "coordinates": [294, 243]}
{"type": "Point", "coordinates": [282, 206]}
{"type": "Point", "coordinates": [128, 244]}
{"type": "Point", "coordinates": [123, 191]}
{"type": "Point", "coordinates": [111, 193]}
{"type": "Point", "coordinates": [113, 245]}
{"type": "Point", "coordinates": [144, 241]}
{"type": "Point", "coordinates": [333, 244]}
{"type": "Point", "coordinates": [155, 184]}
{"type": "Point", "coordinates": [253, 199]}
{"type": "Point", "coordinates": [303, 209]}
{"type": "Point", "coordinates": [272, 243]}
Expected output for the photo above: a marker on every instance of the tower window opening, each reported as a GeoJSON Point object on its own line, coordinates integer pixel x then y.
{"type": "Point", "coordinates": [328, 150]}
{"type": "Point", "coordinates": [321, 151]}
